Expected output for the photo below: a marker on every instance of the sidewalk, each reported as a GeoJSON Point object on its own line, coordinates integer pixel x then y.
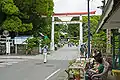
{"type": "Point", "coordinates": [16, 57]}
{"type": "Point", "coordinates": [64, 53]}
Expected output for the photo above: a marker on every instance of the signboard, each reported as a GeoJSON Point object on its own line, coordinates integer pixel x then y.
{"type": "Point", "coordinates": [20, 40]}
{"type": "Point", "coordinates": [45, 37]}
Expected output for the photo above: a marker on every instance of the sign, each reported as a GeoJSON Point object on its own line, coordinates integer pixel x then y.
{"type": "Point", "coordinates": [21, 39]}
{"type": "Point", "coordinates": [45, 37]}
{"type": "Point", "coordinates": [5, 33]}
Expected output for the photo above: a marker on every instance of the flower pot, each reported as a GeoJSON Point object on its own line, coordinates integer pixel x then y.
{"type": "Point", "coordinates": [77, 77]}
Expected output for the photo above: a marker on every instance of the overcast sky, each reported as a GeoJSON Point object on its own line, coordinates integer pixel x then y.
{"type": "Point", "coordinates": [64, 6]}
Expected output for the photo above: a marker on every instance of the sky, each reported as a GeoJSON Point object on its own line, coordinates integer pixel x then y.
{"type": "Point", "coordinates": [66, 6]}
{"type": "Point", "coordinates": [76, 6]}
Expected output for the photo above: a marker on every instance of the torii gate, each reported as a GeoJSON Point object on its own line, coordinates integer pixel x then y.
{"type": "Point", "coordinates": [68, 22]}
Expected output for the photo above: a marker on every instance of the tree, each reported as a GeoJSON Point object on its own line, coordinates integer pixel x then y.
{"type": "Point", "coordinates": [39, 7]}
{"type": "Point", "coordinates": [93, 26]}
{"type": "Point", "coordinates": [28, 11]}
{"type": "Point", "coordinates": [73, 29]}
{"type": "Point", "coordinates": [35, 9]}
{"type": "Point", "coordinates": [9, 8]}
{"type": "Point", "coordinates": [12, 21]}
{"type": "Point", "coordinates": [56, 37]}
{"type": "Point", "coordinates": [99, 41]}
{"type": "Point", "coordinates": [12, 24]}
{"type": "Point", "coordinates": [26, 16]}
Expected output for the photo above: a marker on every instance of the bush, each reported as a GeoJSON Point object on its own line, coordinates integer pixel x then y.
{"type": "Point", "coordinates": [32, 43]}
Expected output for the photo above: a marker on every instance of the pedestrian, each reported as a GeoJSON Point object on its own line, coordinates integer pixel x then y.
{"type": "Point", "coordinates": [82, 50]}
{"type": "Point", "coordinates": [68, 44]}
{"type": "Point", "coordinates": [45, 54]}
{"type": "Point", "coordinates": [55, 47]}
{"type": "Point", "coordinates": [99, 67]}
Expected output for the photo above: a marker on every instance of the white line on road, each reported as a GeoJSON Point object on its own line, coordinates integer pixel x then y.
{"type": "Point", "coordinates": [52, 74]}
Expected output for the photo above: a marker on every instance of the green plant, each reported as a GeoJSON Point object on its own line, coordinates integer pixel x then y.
{"type": "Point", "coordinates": [99, 41]}
{"type": "Point", "coordinates": [76, 72]}
{"type": "Point", "coordinates": [45, 41]}
{"type": "Point", "coordinates": [71, 62]}
{"type": "Point", "coordinates": [31, 43]}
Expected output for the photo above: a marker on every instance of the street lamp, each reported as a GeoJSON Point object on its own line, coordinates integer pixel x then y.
{"type": "Point", "coordinates": [88, 30]}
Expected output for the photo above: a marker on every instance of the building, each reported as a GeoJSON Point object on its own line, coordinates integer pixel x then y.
{"type": "Point", "coordinates": [110, 20]}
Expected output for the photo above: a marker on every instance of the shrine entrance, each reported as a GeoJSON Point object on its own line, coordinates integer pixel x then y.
{"type": "Point", "coordinates": [78, 14]}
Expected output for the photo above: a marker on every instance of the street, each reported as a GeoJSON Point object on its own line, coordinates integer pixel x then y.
{"type": "Point", "coordinates": [35, 69]}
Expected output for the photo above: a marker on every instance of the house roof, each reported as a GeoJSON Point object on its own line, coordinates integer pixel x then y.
{"type": "Point", "coordinates": [110, 18]}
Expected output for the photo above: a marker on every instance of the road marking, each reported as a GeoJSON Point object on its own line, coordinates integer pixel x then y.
{"type": "Point", "coordinates": [52, 74]}
{"type": "Point", "coordinates": [9, 62]}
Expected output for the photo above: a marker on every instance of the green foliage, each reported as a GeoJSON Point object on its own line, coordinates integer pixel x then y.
{"type": "Point", "coordinates": [72, 29]}
{"type": "Point", "coordinates": [12, 24]}
{"type": "Point", "coordinates": [44, 7]}
{"type": "Point", "coordinates": [42, 25]}
{"type": "Point", "coordinates": [7, 1]}
{"type": "Point", "coordinates": [2, 17]}
{"type": "Point", "coordinates": [74, 41]}
{"type": "Point", "coordinates": [9, 8]}
{"type": "Point", "coordinates": [39, 7]}
{"type": "Point", "coordinates": [45, 42]}
{"type": "Point", "coordinates": [76, 72]}
{"type": "Point", "coordinates": [25, 27]}
{"type": "Point", "coordinates": [93, 25]}
{"type": "Point", "coordinates": [66, 36]}
{"type": "Point", "coordinates": [71, 62]}
{"type": "Point", "coordinates": [32, 42]}
{"type": "Point", "coordinates": [30, 13]}
{"type": "Point", "coordinates": [24, 15]}
{"type": "Point", "coordinates": [56, 37]}
{"type": "Point", "coordinates": [99, 41]}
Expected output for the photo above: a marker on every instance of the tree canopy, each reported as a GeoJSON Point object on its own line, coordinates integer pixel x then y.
{"type": "Point", "coordinates": [9, 8]}
{"type": "Point", "coordinates": [25, 15]}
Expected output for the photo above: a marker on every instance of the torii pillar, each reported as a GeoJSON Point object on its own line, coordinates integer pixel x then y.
{"type": "Point", "coordinates": [52, 35]}
{"type": "Point", "coordinates": [80, 33]}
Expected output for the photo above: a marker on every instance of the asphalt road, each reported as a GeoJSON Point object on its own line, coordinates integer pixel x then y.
{"type": "Point", "coordinates": [32, 70]}
{"type": "Point", "coordinates": [35, 69]}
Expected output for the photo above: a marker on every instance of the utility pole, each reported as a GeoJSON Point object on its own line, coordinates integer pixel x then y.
{"type": "Point", "coordinates": [88, 30]}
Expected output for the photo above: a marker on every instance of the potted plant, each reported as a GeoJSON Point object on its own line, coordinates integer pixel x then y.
{"type": "Point", "coordinates": [77, 74]}
{"type": "Point", "coordinates": [71, 62]}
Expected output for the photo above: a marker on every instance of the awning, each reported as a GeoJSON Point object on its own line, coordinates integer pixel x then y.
{"type": "Point", "coordinates": [105, 14]}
